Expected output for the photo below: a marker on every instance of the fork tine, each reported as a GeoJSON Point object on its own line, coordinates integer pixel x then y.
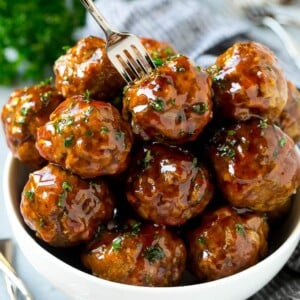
{"type": "Point", "coordinates": [145, 57]}
{"type": "Point", "coordinates": [138, 59]}
{"type": "Point", "coordinates": [121, 68]}
{"type": "Point", "coordinates": [129, 63]}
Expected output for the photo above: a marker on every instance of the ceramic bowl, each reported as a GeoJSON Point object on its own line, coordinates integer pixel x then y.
{"type": "Point", "coordinates": [78, 284]}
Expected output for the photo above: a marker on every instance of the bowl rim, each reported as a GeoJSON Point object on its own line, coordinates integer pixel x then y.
{"type": "Point", "coordinates": [293, 239]}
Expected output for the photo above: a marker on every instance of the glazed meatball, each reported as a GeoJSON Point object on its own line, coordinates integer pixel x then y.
{"type": "Point", "coordinates": [87, 137]}
{"type": "Point", "coordinates": [289, 120]}
{"type": "Point", "coordinates": [226, 242]}
{"type": "Point", "coordinates": [248, 81]}
{"type": "Point", "coordinates": [173, 104]}
{"type": "Point", "coordinates": [26, 110]}
{"type": "Point", "coordinates": [257, 165]}
{"type": "Point", "coordinates": [167, 185]}
{"type": "Point", "coordinates": [87, 67]}
{"type": "Point", "coordinates": [63, 209]}
{"type": "Point", "coordinates": [159, 51]}
{"type": "Point", "coordinates": [143, 255]}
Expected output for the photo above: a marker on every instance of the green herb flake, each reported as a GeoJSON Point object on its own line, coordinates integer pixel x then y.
{"type": "Point", "coordinates": [25, 111]}
{"type": "Point", "coordinates": [61, 199]}
{"type": "Point", "coordinates": [158, 61]}
{"type": "Point", "coordinates": [116, 243]}
{"type": "Point", "coordinates": [231, 132]}
{"type": "Point", "coordinates": [153, 253]}
{"type": "Point", "coordinates": [282, 142]}
{"type": "Point", "coordinates": [226, 150]}
{"type": "Point", "coordinates": [263, 124]}
{"type": "Point", "coordinates": [104, 130]}
{"type": "Point", "coordinates": [87, 95]}
{"type": "Point", "coordinates": [201, 240]}
{"type": "Point", "coordinates": [29, 194]}
{"type": "Point", "coordinates": [157, 104]}
{"type": "Point", "coordinates": [135, 228]}
{"type": "Point", "coordinates": [240, 229]}
{"type": "Point", "coordinates": [172, 102]}
{"type": "Point", "coordinates": [67, 186]}
{"type": "Point", "coordinates": [45, 97]}
{"type": "Point", "coordinates": [89, 133]}
{"type": "Point", "coordinates": [42, 222]}
{"type": "Point", "coordinates": [68, 141]}
{"type": "Point", "coordinates": [200, 108]}
{"type": "Point", "coordinates": [47, 81]}
{"type": "Point", "coordinates": [148, 157]}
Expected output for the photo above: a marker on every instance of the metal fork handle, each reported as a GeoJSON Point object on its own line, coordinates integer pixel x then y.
{"type": "Point", "coordinates": [99, 18]}
{"type": "Point", "coordinates": [286, 39]}
{"type": "Point", "coordinates": [7, 269]}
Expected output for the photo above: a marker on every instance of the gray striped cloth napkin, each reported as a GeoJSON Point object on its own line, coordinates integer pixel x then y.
{"type": "Point", "coordinates": [202, 30]}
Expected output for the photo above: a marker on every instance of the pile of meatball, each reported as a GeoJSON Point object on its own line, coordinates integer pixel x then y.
{"type": "Point", "coordinates": [181, 172]}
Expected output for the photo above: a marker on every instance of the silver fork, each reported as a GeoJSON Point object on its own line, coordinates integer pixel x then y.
{"type": "Point", "coordinates": [261, 15]}
{"type": "Point", "coordinates": [124, 50]}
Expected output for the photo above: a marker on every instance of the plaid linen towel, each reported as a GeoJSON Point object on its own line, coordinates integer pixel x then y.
{"type": "Point", "coordinates": [202, 30]}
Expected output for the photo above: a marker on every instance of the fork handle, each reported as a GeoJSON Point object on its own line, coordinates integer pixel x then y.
{"type": "Point", "coordinates": [99, 18]}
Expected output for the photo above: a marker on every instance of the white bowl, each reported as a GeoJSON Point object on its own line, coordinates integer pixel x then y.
{"type": "Point", "coordinates": [80, 285]}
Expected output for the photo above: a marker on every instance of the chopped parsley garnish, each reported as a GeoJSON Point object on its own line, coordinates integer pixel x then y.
{"type": "Point", "coordinates": [25, 111]}
{"type": "Point", "coordinates": [68, 141]}
{"type": "Point", "coordinates": [67, 186]}
{"type": "Point", "coordinates": [158, 61]}
{"type": "Point", "coordinates": [153, 253]}
{"type": "Point", "coordinates": [87, 95]}
{"type": "Point", "coordinates": [172, 102]}
{"type": "Point", "coordinates": [226, 150]}
{"type": "Point", "coordinates": [104, 130]}
{"type": "Point", "coordinates": [157, 104]}
{"type": "Point", "coordinates": [200, 108]}
{"type": "Point", "coordinates": [282, 142]}
{"type": "Point", "coordinates": [45, 97]}
{"type": "Point", "coordinates": [231, 132]}
{"type": "Point", "coordinates": [29, 194]}
{"type": "Point", "coordinates": [147, 159]}
{"type": "Point", "coordinates": [89, 133]}
{"type": "Point", "coordinates": [201, 239]}
{"type": "Point", "coordinates": [240, 229]}
{"type": "Point", "coordinates": [263, 124]}
{"type": "Point", "coordinates": [42, 222]}
{"type": "Point", "coordinates": [135, 228]}
{"type": "Point", "coordinates": [47, 81]}
{"type": "Point", "coordinates": [116, 243]}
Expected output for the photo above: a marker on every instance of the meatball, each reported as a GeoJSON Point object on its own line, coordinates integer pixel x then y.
{"type": "Point", "coordinates": [142, 254]}
{"type": "Point", "coordinates": [87, 67]}
{"type": "Point", "coordinates": [257, 165]}
{"type": "Point", "coordinates": [167, 185]}
{"type": "Point", "coordinates": [63, 209]}
{"type": "Point", "coordinates": [173, 104]}
{"type": "Point", "coordinates": [87, 137]}
{"type": "Point", "coordinates": [159, 51]}
{"type": "Point", "coordinates": [226, 242]}
{"type": "Point", "coordinates": [248, 81]}
{"type": "Point", "coordinates": [26, 110]}
{"type": "Point", "coordinates": [289, 119]}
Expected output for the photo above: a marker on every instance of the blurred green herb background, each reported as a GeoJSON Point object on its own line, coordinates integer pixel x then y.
{"type": "Point", "coordinates": [33, 34]}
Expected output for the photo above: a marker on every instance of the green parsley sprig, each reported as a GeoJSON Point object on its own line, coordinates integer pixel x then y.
{"type": "Point", "coordinates": [32, 35]}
